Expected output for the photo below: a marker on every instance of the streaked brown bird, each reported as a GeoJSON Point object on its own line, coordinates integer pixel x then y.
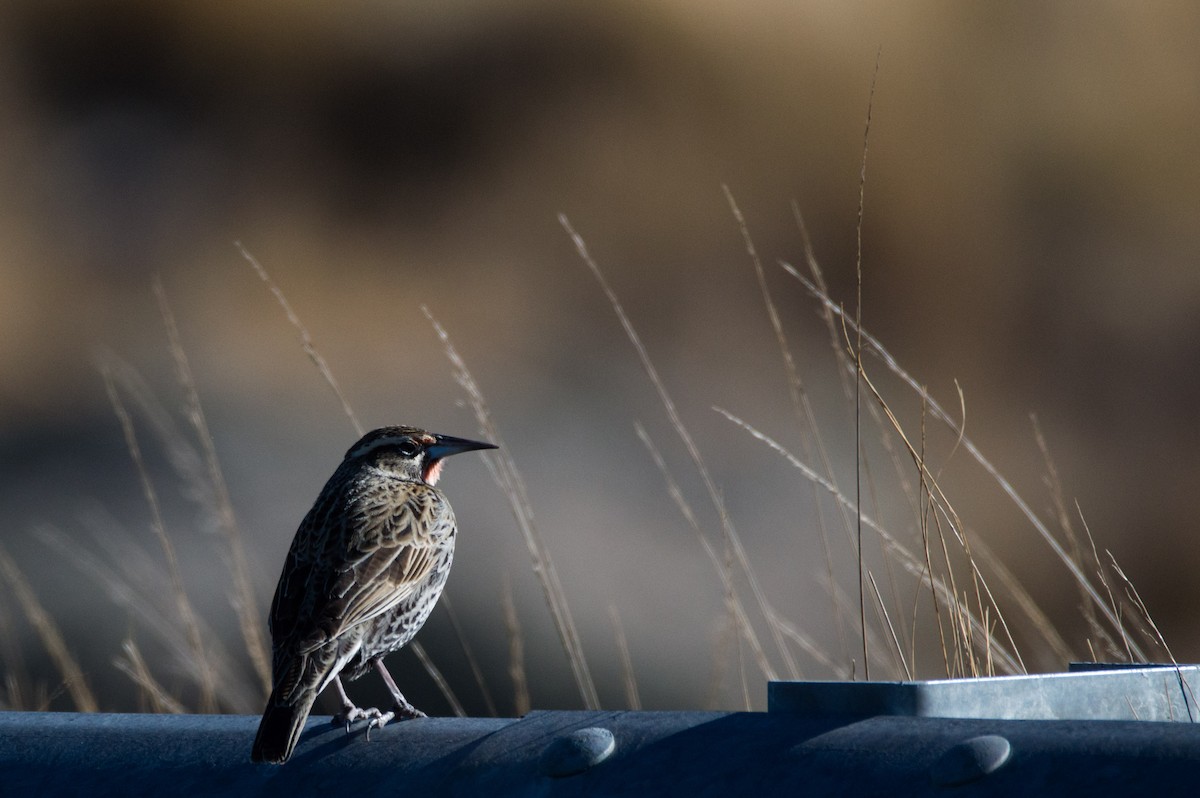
{"type": "Point", "coordinates": [367, 565]}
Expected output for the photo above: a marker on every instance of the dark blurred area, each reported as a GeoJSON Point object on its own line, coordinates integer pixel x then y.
{"type": "Point", "coordinates": [1029, 231]}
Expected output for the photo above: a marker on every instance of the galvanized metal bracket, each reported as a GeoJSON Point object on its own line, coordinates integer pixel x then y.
{"type": "Point", "coordinates": [1087, 692]}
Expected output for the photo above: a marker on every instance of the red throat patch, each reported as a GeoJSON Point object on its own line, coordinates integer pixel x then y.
{"type": "Point", "coordinates": [433, 471]}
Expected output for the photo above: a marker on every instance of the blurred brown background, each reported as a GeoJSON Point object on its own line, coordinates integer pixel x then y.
{"type": "Point", "coordinates": [1031, 230]}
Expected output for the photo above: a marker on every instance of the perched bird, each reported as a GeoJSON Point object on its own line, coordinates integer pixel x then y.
{"type": "Point", "coordinates": [367, 565]}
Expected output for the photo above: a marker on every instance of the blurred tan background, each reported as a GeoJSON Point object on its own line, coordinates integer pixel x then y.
{"type": "Point", "coordinates": [1030, 230]}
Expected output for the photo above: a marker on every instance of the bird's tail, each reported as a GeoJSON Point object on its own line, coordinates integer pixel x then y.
{"type": "Point", "coordinates": [280, 727]}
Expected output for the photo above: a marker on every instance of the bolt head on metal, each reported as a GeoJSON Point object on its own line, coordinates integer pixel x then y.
{"type": "Point", "coordinates": [576, 752]}
{"type": "Point", "coordinates": [970, 760]}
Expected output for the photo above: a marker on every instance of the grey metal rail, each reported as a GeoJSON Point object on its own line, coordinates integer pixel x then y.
{"type": "Point", "coordinates": [783, 751]}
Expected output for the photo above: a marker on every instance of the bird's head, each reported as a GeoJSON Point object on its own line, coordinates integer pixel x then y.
{"type": "Point", "coordinates": [410, 452]}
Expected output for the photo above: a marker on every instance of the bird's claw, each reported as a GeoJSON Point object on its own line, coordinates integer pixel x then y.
{"type": "Point", "coordinates": [407, 711]}
{"type": "Point", "coordinates": [374, 717]}
{"type": "Point", "coordinates": [378, 721]}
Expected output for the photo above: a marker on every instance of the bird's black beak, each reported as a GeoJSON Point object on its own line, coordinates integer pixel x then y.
{"type": "Point", "coordinates": [446, 445]}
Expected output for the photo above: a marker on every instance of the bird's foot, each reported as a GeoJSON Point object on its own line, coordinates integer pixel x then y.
{"type": "Point", "coordinates": [375, 718]}
{"type": "Point", "coordinates": [406, 711]}
{"type": "Point", "coordinates": [377, 722]}
{"type": "Point", "coordinates": [400, 705]}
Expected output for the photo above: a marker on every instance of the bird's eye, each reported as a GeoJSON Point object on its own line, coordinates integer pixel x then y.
{"type": "Point", "coordinates": [409, 448]}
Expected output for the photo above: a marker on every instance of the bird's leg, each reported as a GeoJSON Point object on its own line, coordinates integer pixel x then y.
{"type": "Point", "coordinates": [400, 705]}
{"type": "Point", "coordinates": [351, 713]}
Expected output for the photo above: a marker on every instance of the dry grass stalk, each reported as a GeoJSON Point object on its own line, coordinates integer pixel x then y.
{"type": "Point", "coordinates": [877, 642]}
{"type": "Point", "coordinates": [1054, 485]}
{"type": "Point", "coordinates": [876, 349]}
{"type": "Point", "coordinates": [1141, 606]}
{"type": "Point", "coordinates": [516, 651]}
{"type": "Point", "coordinates": [504, 469]}
{"type": "Point", "coordinates": [884, 356]}
{"type": "Point", "coordinates": [742, 680]}
{"type": "Point", "coordinates": [628, 677]}
{"type": "Point", "coordinates": [810, 647]}
{"type": "Point", "coordinates": [122, 592]}
{"type": "Point", "coordinates": [472, 660]}
{"type": "Point", "coordinates": [1011, 588]}
{"type": "Point", "coordinates": [130, 586]}
{"type": "Point", "coordinates": [15, 698]}
{"type": "Point", "coordinates": [989, 665]}
{"type": "Point", "coordinates": [244, 605]}
{"type": "Point", "coordinates": [733, 602]}
{"type": "Point", "coordinates": [944, 508]}
{"type": "Point", "coordinates": [137, 588]}
{"type": "Point", "coordinates": [956, 608]}
{"type": "Point", "coordinates": [16, 677]}
{"type": "Point", "coordinates": [1007, 661]}
{"type": "Point", "coordinates": [326, 373]}
{"type": "Point", "coordinates": [306, 340]}
{"type": "Point", "coordinates": [805, 417]}
{"type": "Point", "coordinates": [1128, 652]}
{"type": "Point", "coordinates": [1136, 599]}
{"type": "Point", "coordinates": [438, 678]}
{"type": "Point", "coordinates": [134, 666]}
{"type": "Point", "coordinates": [738, 612]}
{"type": "Point", "coordinates": [725, 637]}
{"type": "Point", "coordinates": [836, 335]}
{"type": "Point", "coordinates": [50, 635]}
{"type": "Point", "coordinates": [731, 538]}
{"type": "Point", "coordinates": [858, 372]}
{"type": "Point", "coordinates": [970, 661]}
{"type": "Point", "coordinates": [896, 649]}
{"type": "Point", "coordinates": [926, 510]}
{"type": "Point", "coordinates": [183, 604]}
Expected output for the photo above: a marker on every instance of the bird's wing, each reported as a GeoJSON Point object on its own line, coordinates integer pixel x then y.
{"type": "Point", "coordinates": [383, 580]}
{"type": "Point", "coordinates": [308, 569]}
{"type": "Point", "coordinates": [383, 550]}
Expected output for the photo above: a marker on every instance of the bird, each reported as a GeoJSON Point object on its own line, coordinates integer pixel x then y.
{"type": "Point", "coordinates": [366, 567]}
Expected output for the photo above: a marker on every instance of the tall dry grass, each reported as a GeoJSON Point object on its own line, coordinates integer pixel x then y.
{"type": "Point", "coordinates": [920, 573]}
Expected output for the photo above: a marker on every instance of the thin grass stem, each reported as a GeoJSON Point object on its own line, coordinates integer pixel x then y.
{"type": "Point", "coordinates": [509, 479]}
{"type": "Point", "coordinates": [628, 676]}
{"type": "Point", "coordinates": [183, 604]}
{"type": "Point", "coordinates": [879, 351]}
{"type": "Point", "coordinates": [732, 539]}
{"type": "Point", "coordinates": [472, 660]}
{"type": "Point", "coordinates": [306, 340]}
{"type": "Point", "coordinates": [244, 604]}
{"type": "Point", "coordinates": [516, 651]}
{"type": "Point", "coordinates": [733, 602]}
{"type": "Point", "coordinates": [50, 635]}
{"type": "Point", "coordinates": [801, 408]}
{"type": "Point", "coordinates": [438, 678]}
{"type": "Point", "coordinates": [134, 666]}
